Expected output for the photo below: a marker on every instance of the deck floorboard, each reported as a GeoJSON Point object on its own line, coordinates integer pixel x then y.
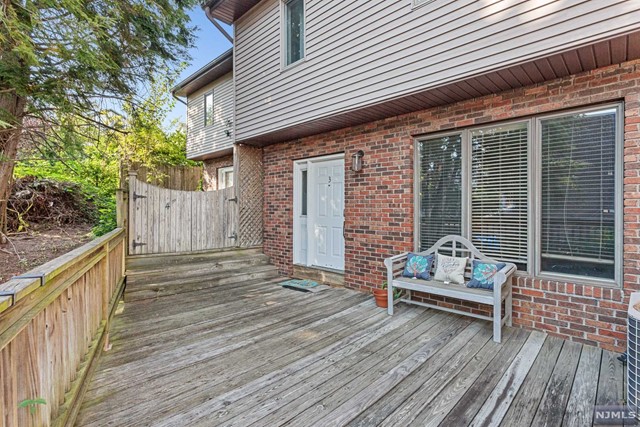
{"type": "Point", "coordinates": [253, 353]}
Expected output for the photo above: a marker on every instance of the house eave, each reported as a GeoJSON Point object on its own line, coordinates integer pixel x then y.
{"type": "Point", "coordinates": [228, 11]}
{"type": "Point", "coordinates": [212, 71]}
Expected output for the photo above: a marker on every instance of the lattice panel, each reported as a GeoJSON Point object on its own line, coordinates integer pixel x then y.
{"type": "Point", "coordinates": [250, 195]}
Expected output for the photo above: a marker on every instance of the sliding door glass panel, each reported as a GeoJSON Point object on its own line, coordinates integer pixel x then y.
{"type": "Point", "coordinates": [578, 168]}
{"type": "Point", "coordinates": [499, 192]}
{"type": "Point", "coordinates": [440, 189]}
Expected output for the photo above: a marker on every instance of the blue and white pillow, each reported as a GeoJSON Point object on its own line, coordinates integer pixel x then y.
{"type": "Point", "coordinates": [483, 274]}
{"type": "Point", "coordinates": [418, 266]}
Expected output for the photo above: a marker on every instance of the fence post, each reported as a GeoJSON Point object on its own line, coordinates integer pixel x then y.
{"type": "Point", "coordinates": [133, 180]}
{"type": "Point", "coordinates": [120, 212]}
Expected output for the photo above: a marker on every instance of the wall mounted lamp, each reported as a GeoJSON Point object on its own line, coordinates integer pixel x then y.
{"type": "Point", "coordinates": [356, 161]}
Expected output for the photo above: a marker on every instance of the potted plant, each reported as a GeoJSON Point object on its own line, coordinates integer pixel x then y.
{"type": "Point", "coordinates": [380, 294]}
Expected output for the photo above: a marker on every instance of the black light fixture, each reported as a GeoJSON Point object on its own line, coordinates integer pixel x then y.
{"type": "Point", "coordinates": [356, 161]}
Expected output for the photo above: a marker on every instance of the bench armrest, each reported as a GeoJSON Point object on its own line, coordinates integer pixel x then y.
{"type": "Point", "coordinates": [504, 274]}
{"type": "Point", "coordinates": [502, 277]}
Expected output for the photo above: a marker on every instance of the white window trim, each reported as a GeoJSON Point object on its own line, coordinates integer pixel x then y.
{"type": "Point", "coordinates": [534, 189]}
{"type": "Point", "coordinates": [283, 37]}
{"type": "Point", "coordinates": [221, 174]}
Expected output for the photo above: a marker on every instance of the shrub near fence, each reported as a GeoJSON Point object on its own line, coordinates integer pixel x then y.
{"type": "Point", "coordinates": [53, 327]}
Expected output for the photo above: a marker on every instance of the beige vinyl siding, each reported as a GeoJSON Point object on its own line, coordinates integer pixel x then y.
{"type": "Point", "coordinates": [360, 53]}
{"type": "Point", "coordinates": [206, 141]}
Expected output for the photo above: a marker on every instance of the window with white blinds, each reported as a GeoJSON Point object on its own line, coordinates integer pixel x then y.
{"type": "Point", "coordinates": [578, 194]}
{"type": "Point", "coordinates": [499, 192]}
{"type": "Point", "coordinates": [440, 189]}
{"type": "Point", "coordinates": [552, 205]}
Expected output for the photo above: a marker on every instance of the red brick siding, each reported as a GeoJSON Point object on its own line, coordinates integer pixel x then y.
{"type": "Point", "coordinates": [379, 200]}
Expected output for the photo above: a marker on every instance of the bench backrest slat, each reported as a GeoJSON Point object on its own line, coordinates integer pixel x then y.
{"type": "Point", "coordinates": [457, 246]}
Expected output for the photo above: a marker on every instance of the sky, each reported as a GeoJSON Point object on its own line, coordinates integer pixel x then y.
{"type": "Point", "coordinates": [210, 43]}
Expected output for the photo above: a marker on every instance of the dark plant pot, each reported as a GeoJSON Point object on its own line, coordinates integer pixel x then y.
{"type": "Point", "coordinates": [381, 297]}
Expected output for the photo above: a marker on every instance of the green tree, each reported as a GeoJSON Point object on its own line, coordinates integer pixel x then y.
{"type": "Point", "coordinates": [92, 157]}
{"type": "Point", "coordinates": [65, 64]}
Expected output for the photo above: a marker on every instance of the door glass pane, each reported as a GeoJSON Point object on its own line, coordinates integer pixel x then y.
{"type": "Point", "coordinates": [304, 193]}
{"type": "Point", "coordinates": [499, 192]}
{"type": "Point", "coordinates": [294, 29]}
{"type": "Point", "coordinates": [440, 189]}
{"type": "Point", "coordinates": [578, 194]}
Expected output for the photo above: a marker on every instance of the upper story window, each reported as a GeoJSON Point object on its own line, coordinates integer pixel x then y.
{"type": "Point", "coordinates": [293, 31]}
{"type": "Point", "coordinates": [544, 193]}
{"type": "Point", "coordinates": [208, 109]}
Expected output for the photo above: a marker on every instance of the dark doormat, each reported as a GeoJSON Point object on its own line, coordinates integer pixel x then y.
{"type": "Point", "coordinates": [303, 285]}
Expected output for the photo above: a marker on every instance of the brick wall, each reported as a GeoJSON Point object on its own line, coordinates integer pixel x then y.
{"type": "Point", "coordinates": [210, 173]}
{"type": "Point", "coordinates": [379, 200]}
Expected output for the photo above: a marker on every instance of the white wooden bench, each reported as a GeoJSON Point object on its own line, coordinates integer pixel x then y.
{"type": "Point", "coordinates": [455, 246]}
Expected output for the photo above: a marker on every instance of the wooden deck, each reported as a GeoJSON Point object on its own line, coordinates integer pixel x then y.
{"type": "Point", "coordinates": [251, 353]}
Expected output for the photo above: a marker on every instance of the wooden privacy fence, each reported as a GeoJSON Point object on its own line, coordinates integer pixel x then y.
{"type": "Point", "coordinates": [53, 324]}
{"type": "Point", "coordinates": [173, 221]}
{"type": "Point", "coordinates": [186, 178]}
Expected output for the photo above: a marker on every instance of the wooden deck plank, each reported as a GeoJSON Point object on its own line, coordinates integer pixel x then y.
{"type": "Point", "coordinates": [211, 344]}
{"type": "Point", "coordinates": [579, 410]}
{"type": "Point", "coordinates": [442, 368]}
{"type": "Point", "coordinates": [242, 397]}
{"type": "Point", "coordinates": [262, 404]}
{"type": "Point", "coordinates": [468, 406]}
{"type": "Point", "coordinates": [441, 404]}
{"type": "Point", "coordinates": [611, 381]}
{"type": "Point", "coordinates": [368, 388]}
{"type": "Point", "coordinates": [283, 406]}
{"type": "Point", "coordinates": [209, 372]}
{"type": "Point", "coordinates": [213, 327]}
{"type": "Point", "coordinates": [153, 310]}
{"type": "Point", "coordinates": [188, 361]}
{"type": "Point", "coordinates": [523, 408]}
{"type": "Point", "coordinates": [252, 353]}
{"type": "Point", "coordinates": [498, 402]}
{"type": "Point", "coordinates": [553, 403]}
{"type": "Point", "coordinates": [359, 320]}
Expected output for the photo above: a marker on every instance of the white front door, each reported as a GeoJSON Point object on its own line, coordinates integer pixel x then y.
{"type": "Point", "coordinates": [326, 214]}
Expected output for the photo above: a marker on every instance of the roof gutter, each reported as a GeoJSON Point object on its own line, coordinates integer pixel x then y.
{"type": "Point", "coordinates": [207, 11]}
{"type": "Point", "coordinates": [176, 98]}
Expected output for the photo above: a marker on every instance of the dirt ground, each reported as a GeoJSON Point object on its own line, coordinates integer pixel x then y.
{"type": "Point", "coordinates": [38, 246]}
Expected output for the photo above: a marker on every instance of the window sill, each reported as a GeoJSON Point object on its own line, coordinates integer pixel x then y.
{"type": "Point", "coordinates": [296, 64]}
{"type": "Point", "coordinates": [572, 280]}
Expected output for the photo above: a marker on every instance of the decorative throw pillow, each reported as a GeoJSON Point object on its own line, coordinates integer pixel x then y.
{"type": "Point", "coordinates": [450, 269]}
{"type": "Point", "coordinates": [418, 266]}
{"type": "Point", "coordinates": [483, 274]}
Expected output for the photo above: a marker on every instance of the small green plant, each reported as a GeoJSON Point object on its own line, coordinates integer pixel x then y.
{"type": "Point", "coordinates": [32, 404]}
{"type": "Point", "coordinates": [396, 294]}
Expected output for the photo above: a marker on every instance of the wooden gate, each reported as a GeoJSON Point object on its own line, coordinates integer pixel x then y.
{"type": "Point", "coordinates": [172, 221]}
